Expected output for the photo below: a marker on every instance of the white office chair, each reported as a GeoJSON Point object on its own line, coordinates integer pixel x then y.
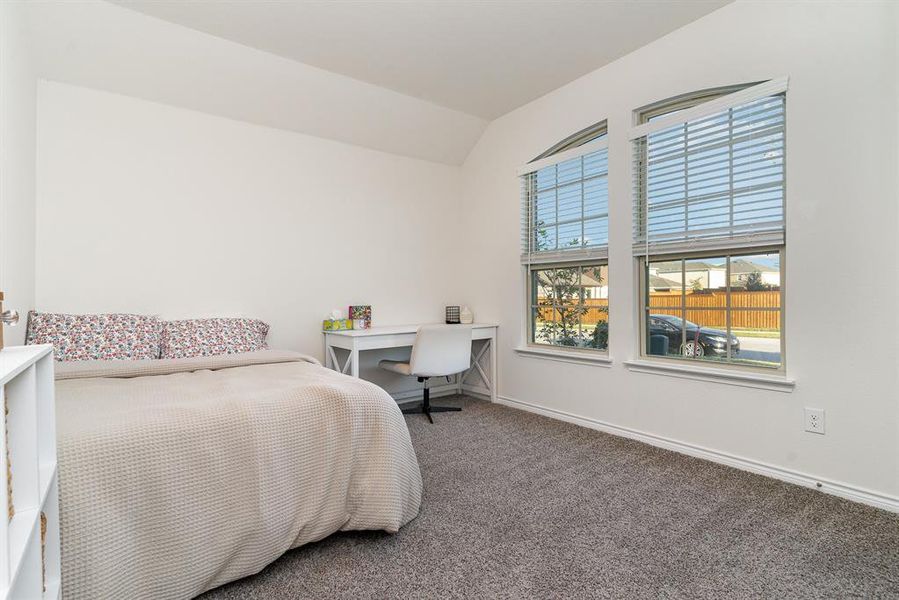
{"type": "Point", "coordinates": [439, 350]}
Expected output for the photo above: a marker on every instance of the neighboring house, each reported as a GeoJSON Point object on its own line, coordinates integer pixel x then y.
{"type": "Point", "coordinates": [740, 270]}
{"type": "Point", "coordinates": [594, 288]}
{"type": "Point", "coordinates": [660, 284]}
{"type": "Point", "coordinates": [697, 273]}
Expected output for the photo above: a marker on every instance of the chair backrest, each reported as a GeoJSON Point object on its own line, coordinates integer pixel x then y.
{"type": "Point", "coordinates": [441, 350]}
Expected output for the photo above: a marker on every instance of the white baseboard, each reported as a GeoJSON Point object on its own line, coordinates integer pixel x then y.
{"type": "Point", "coordinates": [849, 492]}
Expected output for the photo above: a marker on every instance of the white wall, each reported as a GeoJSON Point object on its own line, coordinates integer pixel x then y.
{"type": "Point", "coordinates": [153, 209]}
{"type": "Point", "coordinates": [17, 164]}
{"type": "Point", "coordinates": [841, 219]}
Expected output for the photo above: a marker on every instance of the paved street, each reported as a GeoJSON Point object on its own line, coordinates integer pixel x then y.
{"type": "Point", "coordinates": [754, 348]}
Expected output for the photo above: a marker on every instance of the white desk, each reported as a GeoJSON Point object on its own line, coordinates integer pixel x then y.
{"type": "Point", "coordinates": [399, 336]}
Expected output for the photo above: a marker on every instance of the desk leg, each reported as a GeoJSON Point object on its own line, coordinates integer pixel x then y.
{"type": "Point", "coordinates": [326, 361]}
{"type": "Point", "coordinates": [354, 362]}
{"type": "Point", "coordinates": [494, 381]}
{"type": "Point", "coordinates": [351, 364]}
{"type": "Point", "coordinates": [488, 378]}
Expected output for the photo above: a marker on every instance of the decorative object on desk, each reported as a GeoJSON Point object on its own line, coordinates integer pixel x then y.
{"type": "Point", "coordinates": [336, 322]}
{"type": "Point", "coordinates": [361, 316]}
{"type": "Point", "coordinates": [466, 317]}
{"type": "Point", "coordinates": [7, 317]}
{"type": "Point", "coordinates": [452, 315]}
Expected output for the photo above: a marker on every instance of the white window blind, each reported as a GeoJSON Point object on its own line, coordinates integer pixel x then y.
{"type": "Point", "coordinates": [712, 176]}
{"type": "Point", "coordinates": [565, 206]}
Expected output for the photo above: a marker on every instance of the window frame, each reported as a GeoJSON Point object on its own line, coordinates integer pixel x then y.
{"type": "Point", "coordinates": [642, 116]}
{"type": "Point", "coordinates": [569, 145]}
{"type": "Point", "coordinates": [576, 146]}
{"type": "Point", "coordinates": [647, 113]}
{"type": "Point", "coordinates": [644, 308]}
{"type": "Point", "coordinates": [529, 332]}
{"type": "Point", "coordinates": [575, 140]}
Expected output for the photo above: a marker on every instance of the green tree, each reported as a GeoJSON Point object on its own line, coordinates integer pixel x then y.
{"type": "Point", "coordinates": [562, 300]}
{"type": "Point", "coordinates": [754, 282]}
{"type": "Point", "coordinates": [600, 338]}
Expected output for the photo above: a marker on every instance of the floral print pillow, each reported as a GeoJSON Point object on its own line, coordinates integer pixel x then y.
{"type": "Point", "coordinates": [96, 337]}
{"type": "Point", "coordinates": [208, 337]}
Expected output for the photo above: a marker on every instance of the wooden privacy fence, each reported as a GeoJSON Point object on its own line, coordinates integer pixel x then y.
{"type": "Point", "coordinates": [704, 308]}
{"type": "Point", "coordinates": [755, 310]}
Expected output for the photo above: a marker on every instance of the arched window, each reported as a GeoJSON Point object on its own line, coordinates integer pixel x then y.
{"type": "Point", "coordinates": [676, 104]}
{"type": "Point", "coordinates": [709, 195]}
{"type": "Point", "coordinates": [589, 134]}
{"type": "Point", "coordinates": [565, 236]}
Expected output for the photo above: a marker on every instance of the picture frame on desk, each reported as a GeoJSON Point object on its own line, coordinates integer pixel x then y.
{"type": "Point", "coordinates": [360, 315]}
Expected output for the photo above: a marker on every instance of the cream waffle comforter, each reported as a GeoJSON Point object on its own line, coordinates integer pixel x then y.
{"type": "Point", "coordinates": [176, 476]}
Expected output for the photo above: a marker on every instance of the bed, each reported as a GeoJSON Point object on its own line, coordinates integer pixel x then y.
{"type": "Point", "coordinates": [177, 476]}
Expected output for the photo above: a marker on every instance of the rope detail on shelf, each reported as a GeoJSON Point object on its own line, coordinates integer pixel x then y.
{"type": "Point", "coordinates": [12, 509]}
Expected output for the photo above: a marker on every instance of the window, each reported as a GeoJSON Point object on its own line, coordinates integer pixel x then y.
{"type": "Point", "coordinates": [565, 236]}
{"type": "Point", "coordinates": [723, 308]}
{"type": "Point", "coordinates": [570, 306]}
{"type": "Point", "coordinates": [709, 181]}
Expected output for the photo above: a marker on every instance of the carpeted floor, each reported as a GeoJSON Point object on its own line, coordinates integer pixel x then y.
{"type": "Point", "coordinates": [521, 506]}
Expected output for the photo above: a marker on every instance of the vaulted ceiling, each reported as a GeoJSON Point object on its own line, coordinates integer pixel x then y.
{"type": "Point", "coordinates": [420, 79]}
{"type": "Point", "coordinates": [484, 58]}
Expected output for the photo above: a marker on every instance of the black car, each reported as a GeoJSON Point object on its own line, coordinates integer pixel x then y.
{"type": "Point", "coordinates": [712, 342]}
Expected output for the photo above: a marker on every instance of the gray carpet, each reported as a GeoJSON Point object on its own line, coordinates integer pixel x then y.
{"type": "Point", "coordinates": [521, 506]}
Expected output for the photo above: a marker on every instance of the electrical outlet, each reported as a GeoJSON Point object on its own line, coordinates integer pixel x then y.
{"type": "Point", "coordinates": [814, 420]}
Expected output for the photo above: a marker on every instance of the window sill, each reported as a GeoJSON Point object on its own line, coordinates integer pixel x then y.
{"type": "Point", "coordinates": [569, 356]}
{"type": "Point", "coordinates": [776, 383]}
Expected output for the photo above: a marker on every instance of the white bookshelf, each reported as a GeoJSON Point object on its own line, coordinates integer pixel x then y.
{"type": "Point", "coordinates": [29, 433]}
